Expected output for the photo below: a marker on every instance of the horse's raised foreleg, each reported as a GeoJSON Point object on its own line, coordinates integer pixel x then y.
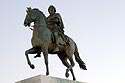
{"type": "Point", "coordinates": [30, 51]}
{"type": "Point", "coordinates": [45, 53]}
{"type": "Point", "coordinates": [38, 53]}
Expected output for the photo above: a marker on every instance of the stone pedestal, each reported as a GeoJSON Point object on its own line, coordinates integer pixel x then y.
{"type": "Point", "coordinates": [46, 79]}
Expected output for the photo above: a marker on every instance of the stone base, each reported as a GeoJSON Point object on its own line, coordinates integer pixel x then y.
{"type": "Point", "coordinates": [46, 79]}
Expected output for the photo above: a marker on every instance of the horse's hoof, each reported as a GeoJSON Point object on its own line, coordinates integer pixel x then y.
{"type": "Point", "coordinates": [47, 73]}
{"type": "Point", "coordinates": [67, 74]}
{"type": "Point", "coordinates": [74, 79]}
{"type": "Point", "coordinates": [38, 55]}
{"type": "Point", "coordinates": [32, 66]}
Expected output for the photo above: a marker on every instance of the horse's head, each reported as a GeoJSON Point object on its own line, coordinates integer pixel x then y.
{"type": "Point", "coordinates": [30, 17]}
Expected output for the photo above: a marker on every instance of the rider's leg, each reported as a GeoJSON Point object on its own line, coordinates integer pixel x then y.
{"type": "Point", "coordinates": [57, 41]}
{"type": "Point", "coordinates": [64, 36]}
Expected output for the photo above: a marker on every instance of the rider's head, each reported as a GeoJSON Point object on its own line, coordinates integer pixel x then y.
{"type": "Point", "coordinates": [51, 10]}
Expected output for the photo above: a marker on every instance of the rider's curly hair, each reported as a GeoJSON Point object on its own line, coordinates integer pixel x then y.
{"type": "Point", "coordinates": [51, 6]}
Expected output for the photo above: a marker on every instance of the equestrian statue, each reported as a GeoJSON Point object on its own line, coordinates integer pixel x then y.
{"type": "Point", "coordinates": [49, 38]}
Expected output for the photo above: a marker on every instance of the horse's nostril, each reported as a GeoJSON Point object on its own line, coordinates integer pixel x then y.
{"type": "Point", "coordinates": [25, 24]}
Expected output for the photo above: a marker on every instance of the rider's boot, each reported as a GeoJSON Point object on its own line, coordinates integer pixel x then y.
{"type": "Point", "coordinates": [56, 49]}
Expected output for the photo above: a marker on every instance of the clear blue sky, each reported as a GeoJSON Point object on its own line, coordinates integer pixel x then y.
{"type": "Point", "coordinates": [97, 26]}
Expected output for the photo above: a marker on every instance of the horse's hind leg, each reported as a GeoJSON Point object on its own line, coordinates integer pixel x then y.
{"type": "Point", "coordinates": [71, 67]}
{"type": "Point", "coordinates": [65, 62]}
{"type": "Point", "coordinates": [30, 51]}
{"type": "Point", "coordinates": [69, 55]}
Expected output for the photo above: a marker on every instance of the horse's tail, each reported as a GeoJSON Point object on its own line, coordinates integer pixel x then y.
{"type": "Point", "coordinates": [82, 65]}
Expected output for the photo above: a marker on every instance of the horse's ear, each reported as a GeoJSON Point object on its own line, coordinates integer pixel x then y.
{"type": "Point", "coordinates": [28, 9]}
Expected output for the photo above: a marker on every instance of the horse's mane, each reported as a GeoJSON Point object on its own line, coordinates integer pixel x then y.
{"type": "Point", "coordinates": [40, 12]}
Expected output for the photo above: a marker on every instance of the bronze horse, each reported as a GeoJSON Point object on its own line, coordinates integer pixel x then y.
{"type": "Point", "coordinates": [42, 42]}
